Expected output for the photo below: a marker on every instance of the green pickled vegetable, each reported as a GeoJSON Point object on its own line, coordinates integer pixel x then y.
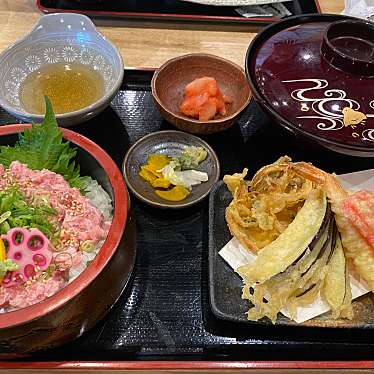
{"type": "Point", "coordinates": [191, 157]}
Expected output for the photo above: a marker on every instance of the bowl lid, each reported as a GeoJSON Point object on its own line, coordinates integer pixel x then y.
{"type": "Point", "coordinates": [315, 74]}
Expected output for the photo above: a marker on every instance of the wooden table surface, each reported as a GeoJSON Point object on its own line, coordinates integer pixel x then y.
{"type": "Point", "coordinates": [146, 44]}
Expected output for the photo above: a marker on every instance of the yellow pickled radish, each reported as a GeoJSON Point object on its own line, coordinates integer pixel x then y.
{"type": "Point", "coordinates": [147, 175]}
{"type": "Point", "coordinates": [161, 183]}
{"type": "Point", "coordinates": [177, 193]}
{"type": "Point", "coordinates": [157, 160]}
{"type": "Point", "coordinates": [2, 255]}
{"type": "Point", "coordinates": [2, 251]}
{"type": "Point", "coordinates": [149, 171]}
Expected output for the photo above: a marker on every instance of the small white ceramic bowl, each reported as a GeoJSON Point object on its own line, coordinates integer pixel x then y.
{"type": "Point", "coordinates": [58, 38]}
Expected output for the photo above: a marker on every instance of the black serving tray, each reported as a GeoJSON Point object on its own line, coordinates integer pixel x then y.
{"type": "Point", "coordinates": [167, 10]}
{"type": "Point", "coordinates": [166, 313]}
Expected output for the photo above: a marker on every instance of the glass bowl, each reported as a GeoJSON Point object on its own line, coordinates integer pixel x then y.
{"type": "Point", "coordinates": [59, 38]}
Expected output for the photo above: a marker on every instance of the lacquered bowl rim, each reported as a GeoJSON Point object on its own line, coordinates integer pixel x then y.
{"type": "Point", "coordinates": [56, 301]}
{"type": "Point", "coordinates": [188, 119]}
{"type": "Point", "coordinates": [264, 35]}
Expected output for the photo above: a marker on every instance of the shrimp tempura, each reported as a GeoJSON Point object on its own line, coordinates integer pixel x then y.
{"type": "Point", "coordinates": [353, 216]}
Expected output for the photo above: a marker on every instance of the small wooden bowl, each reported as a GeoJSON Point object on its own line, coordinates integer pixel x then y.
{"type": "Point", "coordinates": [171, 78]}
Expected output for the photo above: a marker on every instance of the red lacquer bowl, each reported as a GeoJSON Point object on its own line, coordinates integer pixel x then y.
{"type": "Point", "coordinates": [314, 75]}
{"type": "Point", "coordinates": [77, 307]}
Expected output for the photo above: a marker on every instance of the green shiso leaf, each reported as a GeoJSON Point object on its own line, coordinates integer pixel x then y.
{"type": "Point", "coordinates": [42, 147]}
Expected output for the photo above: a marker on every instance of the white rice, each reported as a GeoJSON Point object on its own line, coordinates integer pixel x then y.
{"type": "Point", "coordinates": [101, 200]}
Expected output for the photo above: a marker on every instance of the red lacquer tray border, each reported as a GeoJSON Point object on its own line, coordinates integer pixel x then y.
{"type": "Point", "coordinates": [185, 365]}
{"type": "Point", "coordinates": [164, 16]}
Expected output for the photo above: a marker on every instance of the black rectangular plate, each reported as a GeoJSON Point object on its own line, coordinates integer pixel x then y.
{"type": "Point", "coordinates": [168, 10]}
{"type": "Point", "coordinates": [165, 314]}
{"type": "Point", "coordinates": [225, 285]}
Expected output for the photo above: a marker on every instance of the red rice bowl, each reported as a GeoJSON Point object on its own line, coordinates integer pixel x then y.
{"type": "Point", "coordinates": [68, 313]}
